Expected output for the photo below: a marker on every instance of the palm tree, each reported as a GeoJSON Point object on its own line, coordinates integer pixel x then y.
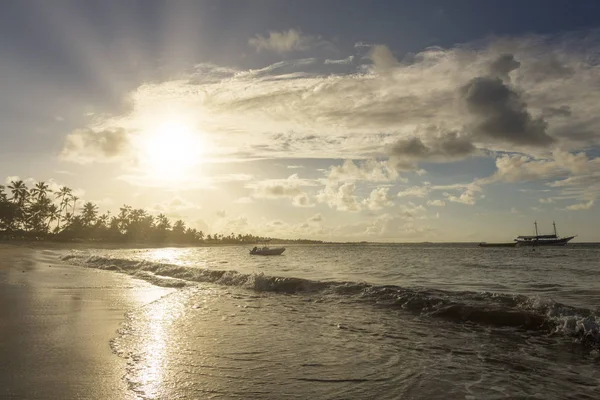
{"type": "Point", "coordinates": [62, 194]}
{"type": "Point", "coordinates": [53, 215]}
{"type": "Point", "coordinates": [19, 191]}
{"type": "Point", "coordinates": [124, 220]}
{"type": "Point", "coordinates": [89, 214]}
{"type": "Point", "coordinates": [40, 190]}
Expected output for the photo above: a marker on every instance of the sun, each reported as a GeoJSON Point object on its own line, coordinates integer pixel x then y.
{"type": "Point", "coordinates": [171, 149]}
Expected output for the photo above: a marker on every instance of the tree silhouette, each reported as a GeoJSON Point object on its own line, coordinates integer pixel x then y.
{"type": "Point", "coordinates": [30, 214]}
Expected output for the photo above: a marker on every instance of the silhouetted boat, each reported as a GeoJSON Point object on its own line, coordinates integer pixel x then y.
{"type": "Point", "coordinates": [543, 240]}
{"type": "Point", "coordinates": [265, 250]}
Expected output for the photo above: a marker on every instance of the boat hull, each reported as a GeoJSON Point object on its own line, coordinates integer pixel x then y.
{"type": "Point", "coordinates": [544, 242]}
{"type": "Point", "coordinates": [277, 251]}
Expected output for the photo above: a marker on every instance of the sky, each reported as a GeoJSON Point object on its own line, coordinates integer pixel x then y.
{"type": "Point", "coordinates": [333, 120]}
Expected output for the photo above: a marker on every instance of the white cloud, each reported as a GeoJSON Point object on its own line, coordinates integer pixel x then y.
{"type": "Point", "coordinates": [468, 196]}
{"type": "Point", "coordinates": [378, 199]}
{"type": "Point", "coordinates": [548, 200]}
{"type": "Point", "coordinates": [347, 60]}
{"type": "Point", "coordinates": [387, 227]}
{"type": "Point", "coordinates": [368, 170]}
{"type": "Point", "coordinates": [283, 188]}
{"type": "Point", "coordinates": [414, 191]}
{"type": "Point", "coordinates": [341, 197]}
{"type": "Point", "coordinates": [436, 203]}
{"type": "Point", "coordinates": [581, 206]}
{"type": "Point", "coordinates": [411, 211]}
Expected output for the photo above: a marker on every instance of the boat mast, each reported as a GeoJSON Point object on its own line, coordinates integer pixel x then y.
{"type": "Point", "coordinates": [554, 223]}
{"type": "Point", "coordinates": [536, 231]}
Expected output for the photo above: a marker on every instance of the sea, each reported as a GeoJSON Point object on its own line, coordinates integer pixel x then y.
{"type": "Point", "coordinates": [361, 321]}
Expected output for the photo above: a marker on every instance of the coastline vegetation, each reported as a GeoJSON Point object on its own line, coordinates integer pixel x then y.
{"type": "Point", "coordinates": [38, 213]}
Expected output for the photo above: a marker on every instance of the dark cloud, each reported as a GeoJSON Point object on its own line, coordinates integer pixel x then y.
{"type": "Point", "coordinates": [562, 111]}
{"type": "Point", "coordinates": [89, 145]}
{"type": "Point", "coordinates": [412, 147]}
{"type": "Point", "coordinates": [502, 65]}
{"type": "Point", "coordinates": [501, 114]}
{"type": "Point", "coordinates": [446, 147]}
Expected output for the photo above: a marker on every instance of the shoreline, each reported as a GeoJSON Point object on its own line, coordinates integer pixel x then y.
{"type": "Point", "coordinates": [56, 324]}
{"type": "Point", "coordinates": [83, 245]}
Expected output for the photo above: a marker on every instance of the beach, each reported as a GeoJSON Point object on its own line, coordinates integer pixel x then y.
{"type": "Point", "coordinates": [436, 321]}
{"type": "Point", "coordinates": [56, 324]}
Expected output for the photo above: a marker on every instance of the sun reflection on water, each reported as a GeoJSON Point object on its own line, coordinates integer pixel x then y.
{"type": "Point", "coordinates": [167, 256]}
{"type": "Point", "coordinates": [154, 347]}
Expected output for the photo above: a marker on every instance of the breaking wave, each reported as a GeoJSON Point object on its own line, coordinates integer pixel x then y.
{"type": "Point", "coordinates": [482, 308]}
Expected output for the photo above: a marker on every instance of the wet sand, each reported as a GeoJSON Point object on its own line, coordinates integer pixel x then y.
{"type": "Point", "coordinates": [56, 323]}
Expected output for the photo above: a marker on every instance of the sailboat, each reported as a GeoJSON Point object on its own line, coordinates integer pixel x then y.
{"type": "Point", "coordinates": [543, 240]}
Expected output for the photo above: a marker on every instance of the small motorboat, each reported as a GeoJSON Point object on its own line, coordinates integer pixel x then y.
{"type": "Point", "coordinates": [265, 250]}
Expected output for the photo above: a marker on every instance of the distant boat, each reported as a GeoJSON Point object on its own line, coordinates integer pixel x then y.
{"type": "Point", "coordinates": [265, 250]}
{"type": "Point", "coordinates": [543, 240]}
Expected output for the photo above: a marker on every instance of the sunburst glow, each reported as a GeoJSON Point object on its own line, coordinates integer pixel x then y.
{"type": "Point", "coordinates": [171, 149]}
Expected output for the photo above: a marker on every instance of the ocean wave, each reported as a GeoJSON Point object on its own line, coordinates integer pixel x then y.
{"type": "Point", "coordinates": [483, 308]}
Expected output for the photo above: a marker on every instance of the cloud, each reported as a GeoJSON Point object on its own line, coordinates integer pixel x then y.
{"type": "Point", "coordinates": [468, 196]}
{"type": "Point", "coordinates": [341, 197]}
{"type": "Point", "coordinates": [386, 226]}
{"type": "Point", "coordinates": [436, 203]}
{"type": "Point", "coordinates": [345, 61]}
{"type": "Point", "coordinates": [500, 114]}
{"type": "Point", "coordinates": [383, 58]}
{"type": "Point", "coordinates": [503, 65]}
{"type": "Point", "coordinates": [367, 170]}
{"type": "Point", "coordinates": [221, 213]}
{"type": "Point", "coordinates": [414, 191]}
{"type": "Point", "coordinates": [285, 41]}
{"type": "Point", "coordinates": [406, 153]}
{"type": "Point", "coordinates": [377, 107]}
{"type": "Point", "coordinates": [521, 168]}
{"type": "Point", "coordinates": [584, 187]}
{"type": "Point", "coordinates": [581, 206]}
{"type": "Point", "coordinates": [86, 145]}
{"type": "Point", "coordinates": [561, 111]}
{"type": "Point", "coordinates": [548, 200]}
{"type": "Point", "coordinates": [283, 188]}
{"type": "Point", "coordinates": [412, 211]}
{"type": "Point", "coordinates": [378, 199]}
